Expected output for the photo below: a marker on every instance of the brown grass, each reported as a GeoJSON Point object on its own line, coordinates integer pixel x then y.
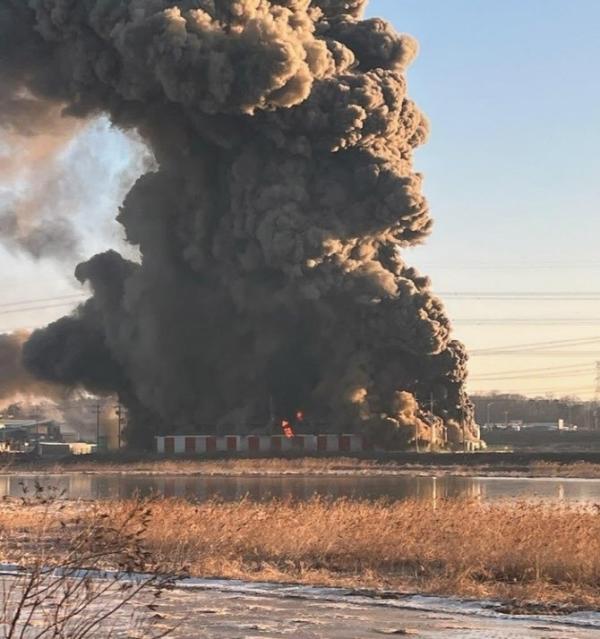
{"type": "Point", "coordinates": [523, 551]}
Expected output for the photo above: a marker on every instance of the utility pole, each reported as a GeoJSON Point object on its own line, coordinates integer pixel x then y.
{"type": "Point", "coordinates": [119, 428]}
{"type": "Point", "coordinates": [597, 395]}
{"type": "Point", "coordinates": [97, 409]}
{"type": "Point", "coordinates": [417, 436]}
{"type": "Point", "coordinates": [487, 413]}
{"type": "Point", "coordinates": [271, 415]}
{"type": "Point", "coordinates": [119, 411]}
{"type": "Point", "coordinates": [433, 433]}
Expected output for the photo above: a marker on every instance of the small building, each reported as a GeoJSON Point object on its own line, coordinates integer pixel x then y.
{"type": "Point", "coordinates": [24, 434]}
{"type": "Point", "coordinates": [60, 449]}
{"type": "Point", "coordinates": [53, 449]}
{"type": "Point", "coordinates": [545, 426]}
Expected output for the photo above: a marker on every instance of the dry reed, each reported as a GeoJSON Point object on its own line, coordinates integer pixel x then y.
{"type": "Point", "coordinates": [61, 588]}
{"type": "Point", "coordinates": [525, 551]}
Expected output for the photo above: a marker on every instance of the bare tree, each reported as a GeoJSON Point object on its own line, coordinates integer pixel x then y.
{"type": "Point", "coordinates": [79, 576]}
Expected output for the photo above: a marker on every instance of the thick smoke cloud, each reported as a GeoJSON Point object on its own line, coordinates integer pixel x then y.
{"type": "Point", "coordinates": [14, 378]}
{"type": "Point", "coordinates": [272, 229]}
{"type": "Point", "coordinates": [34, 216]}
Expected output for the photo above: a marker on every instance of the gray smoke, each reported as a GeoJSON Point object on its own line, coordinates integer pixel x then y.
{"type": "Point", "coordinates": [34, 212]}
{"type": "Point", "coordinates": [272, 231]}
{"type": "Point", "coordinates": [55, 238]}
{"type": "Point", "coordinates": [14, 379]}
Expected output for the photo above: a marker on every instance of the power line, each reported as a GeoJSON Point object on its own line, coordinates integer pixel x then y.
{"type": "Point", "coordinates": [581, 373]}
{"type": "Point", "coordinates": [549, 264]}
{"type": "Point", "coordinates": [561, 294]}
{"type": "Point", "coordinates": [534, 353]}
{"type": "Point", "coordinates": [523, 391]}
{"type": "Point", "coordinates": [516, 371]}
{"type": "Point", "coordinates": [534, 346]}
{"type": "Point", "coordinates": [30, 309]}
{"type": "Point", "coordinates": [42, 300]}
{"type": "Point", "coordinates": [543, 369]}
{"type": "Point", "coordinates": [527, 321]}
{"type": "Point", "coordinates": [535, 296]}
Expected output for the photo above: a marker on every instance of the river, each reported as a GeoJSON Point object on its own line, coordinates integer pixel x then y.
{"type": "Point", "coordinates": [120, 486]}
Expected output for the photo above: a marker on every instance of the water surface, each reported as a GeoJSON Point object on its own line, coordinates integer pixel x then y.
{"type": "Point", "coordinates": [113, 486]}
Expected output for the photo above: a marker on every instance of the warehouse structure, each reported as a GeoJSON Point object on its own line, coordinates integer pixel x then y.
{"type": "Point", "coordinates": [206, 444]}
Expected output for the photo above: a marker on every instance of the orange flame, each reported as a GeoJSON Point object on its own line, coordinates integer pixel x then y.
{"type": "Point", "coordinates": [288, 431]}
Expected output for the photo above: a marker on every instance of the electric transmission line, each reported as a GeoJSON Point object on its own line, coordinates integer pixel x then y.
{"type": "Point", "coordinates": [56, 298]}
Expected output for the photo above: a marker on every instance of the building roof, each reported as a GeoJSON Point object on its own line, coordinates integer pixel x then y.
{"type": "Point", "coordinates": [23, 423]}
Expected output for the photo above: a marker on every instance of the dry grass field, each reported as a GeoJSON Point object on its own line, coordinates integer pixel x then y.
{"type": "Point", "coordinates": [504, 550]}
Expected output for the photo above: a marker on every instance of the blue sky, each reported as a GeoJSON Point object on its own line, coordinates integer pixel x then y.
{"type": "Point", "coordinates": [512, 175]}
{"type": "Point", "coordinates": [512, 170]}
{"type": "Point", "coordinates": [512, 93]}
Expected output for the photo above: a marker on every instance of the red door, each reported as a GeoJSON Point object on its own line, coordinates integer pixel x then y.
{"type": "Point", "coordinates": [190, 444]}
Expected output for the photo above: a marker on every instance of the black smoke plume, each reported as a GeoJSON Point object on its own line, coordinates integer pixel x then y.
{"type": "Point", "coordinates": [271, 233]}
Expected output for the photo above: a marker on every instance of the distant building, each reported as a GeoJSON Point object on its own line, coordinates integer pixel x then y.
{"type": "Point", "coordinates": [24, 434]}
{"type": "Point", "coordinates": [514, 424]}
{"type": "Point", "coordinates": [549, 426]}
{"type": "Point", "coordinates": [58, 449]}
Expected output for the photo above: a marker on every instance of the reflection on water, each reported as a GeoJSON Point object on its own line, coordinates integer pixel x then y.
{"type": "Point", "coordinates": [81, 486]}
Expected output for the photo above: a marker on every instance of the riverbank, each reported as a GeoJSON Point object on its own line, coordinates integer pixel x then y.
{"type": "Point", "coordinates": [576, 466]}
{"type": "Point", "coordinates": [514, 552]}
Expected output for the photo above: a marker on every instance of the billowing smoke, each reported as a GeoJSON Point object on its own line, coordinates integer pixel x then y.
{"type": "Point", "coordinates": [33, 136]}
{"type": "Point", "coordinates": [14, 379]}
{"type": "Point", "coordinates": [271, 231]}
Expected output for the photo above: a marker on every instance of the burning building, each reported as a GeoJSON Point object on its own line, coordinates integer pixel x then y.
{"type": "Point", "coordinates": [271, 229]}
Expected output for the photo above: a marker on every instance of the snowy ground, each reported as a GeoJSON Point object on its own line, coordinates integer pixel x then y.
{"type": "Point", "coordinates": [219, 609]}
{"type": "Point", "coordinates": [230, 610]}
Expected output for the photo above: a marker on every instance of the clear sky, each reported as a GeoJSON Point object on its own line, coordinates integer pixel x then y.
{"type": "Point", "coordinates": [512, 173]}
